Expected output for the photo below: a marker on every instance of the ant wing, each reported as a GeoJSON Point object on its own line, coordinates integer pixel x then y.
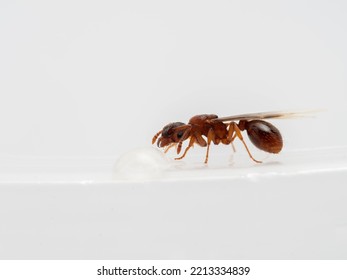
{"type": "Point", "coordinates": [265, 115]}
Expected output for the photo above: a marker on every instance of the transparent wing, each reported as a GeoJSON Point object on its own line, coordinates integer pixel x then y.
{"type": "Point", "coordinates": [267, 115]}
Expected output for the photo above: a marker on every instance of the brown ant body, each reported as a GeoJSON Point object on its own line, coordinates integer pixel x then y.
{"type": "Point", "coordinates": [224, 130]}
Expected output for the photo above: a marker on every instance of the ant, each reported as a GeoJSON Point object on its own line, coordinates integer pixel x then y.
{"type": "Point", "coordinates": [262, 134]}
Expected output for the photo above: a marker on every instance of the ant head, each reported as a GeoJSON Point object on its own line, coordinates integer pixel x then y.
{"type": "Point", "coordinates": [172, 133]}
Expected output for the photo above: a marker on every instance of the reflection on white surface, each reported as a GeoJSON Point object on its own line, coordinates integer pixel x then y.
{"type": "Point", "coordinates": [292, 206]}
{"type": "Point", "coordinates": [141, 164]}
{"type": "Point", "coordinates": [150, 164]}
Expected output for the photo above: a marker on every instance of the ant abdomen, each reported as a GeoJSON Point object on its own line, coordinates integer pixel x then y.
{"type": "Point", "coordinates": [264, 136]}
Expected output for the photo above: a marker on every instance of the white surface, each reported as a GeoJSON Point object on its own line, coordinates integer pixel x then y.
{"type": "Point", "coordinates": [292, 219]}
{"type": "Point", "coordinates": [83, 83]}
{"type": "Point", "coordinates": [150, 165]}
{"type": "Point", "coordinates": [292, 207]}
{"type": "Point", "coordinates": [141, 164]}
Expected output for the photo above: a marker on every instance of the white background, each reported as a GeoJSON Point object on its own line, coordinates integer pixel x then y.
{"type": "Point", "coordinates": [83, 82]}
{"type": "Point", "coordinates": [98, 78]}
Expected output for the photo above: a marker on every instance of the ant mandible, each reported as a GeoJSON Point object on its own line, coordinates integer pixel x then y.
{"type": "Point", "coordinates": [262, 134]}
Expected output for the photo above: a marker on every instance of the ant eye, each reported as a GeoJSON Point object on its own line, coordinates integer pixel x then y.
{"type": "Point", "coordinates": [168, 130]}
{"type": "Point", "coordinates": [179, 134]}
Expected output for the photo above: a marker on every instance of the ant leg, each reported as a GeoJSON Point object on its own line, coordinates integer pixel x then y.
{"type": "Point", "coordinates": [232, 142]}
{"type": "Point", "coordinates": [201, 141]}
{"type": "Point", "coordinates": [179, 147]}
{"type": "Point", "coordinates": [239, 135]}
{"type": "Point", "coordinates": [191, 143]}
{"type": "Point", "coordinates": [210, 137]}
{"type": "Point", "coordinates": [230, 136]}
{"type": "Point", "coordinates": [184, 137]}
{"type": "Point", "coordinates": [169, 147]}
